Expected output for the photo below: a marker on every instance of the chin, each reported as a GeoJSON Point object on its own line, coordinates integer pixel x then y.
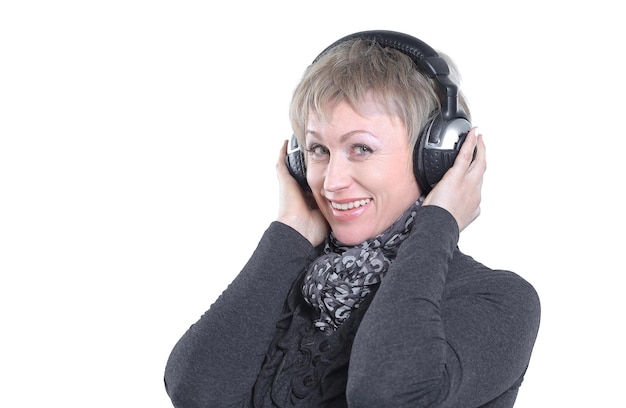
{"type": "Point", "coordinates": [351, 238]}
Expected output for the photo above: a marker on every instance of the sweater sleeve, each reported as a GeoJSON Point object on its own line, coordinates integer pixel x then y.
{"type": "Point", "coordinates": [216, 361]}
{"type": "Point", "coordinates": [431, 341]}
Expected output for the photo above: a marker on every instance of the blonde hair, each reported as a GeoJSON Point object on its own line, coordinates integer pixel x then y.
{"type": "Point", "coordinates": [355, 69]}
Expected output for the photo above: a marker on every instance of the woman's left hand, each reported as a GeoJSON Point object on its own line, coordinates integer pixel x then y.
{"type": "Point", "coordinates": [459, 191]}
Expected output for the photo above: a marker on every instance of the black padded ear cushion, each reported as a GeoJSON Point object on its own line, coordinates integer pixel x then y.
{"type": "Point", "coordinates": [296, 163]}
{"type": "Point", "coordinates": [419, 166]}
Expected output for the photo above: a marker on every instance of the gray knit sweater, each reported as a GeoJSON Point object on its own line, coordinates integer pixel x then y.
{"type": "Point", "coordinates": [441, 330]}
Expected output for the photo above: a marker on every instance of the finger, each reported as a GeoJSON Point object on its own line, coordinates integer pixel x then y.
{"type": "Point", "coordinates": [465, 156]}
{"type": "Point", "coordinates": [479, 163]}
{"type": "Point", "coordinates": [283, 150]}
{"type": "Point", "coordinates": [280, 163]}
{"type": "Point", "coordinates": [466, 153]}
{"type": "Point", "coordinates": [469, 147]}
{"type": "Point", "coordinates": [476, 172]}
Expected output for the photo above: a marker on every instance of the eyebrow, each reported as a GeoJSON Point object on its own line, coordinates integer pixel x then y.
{"type": "Point", "coordinates": [343, 137]}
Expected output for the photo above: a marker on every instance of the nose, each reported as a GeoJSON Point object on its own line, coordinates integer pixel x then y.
{"type": "Point", "coordinates": [337, 176]}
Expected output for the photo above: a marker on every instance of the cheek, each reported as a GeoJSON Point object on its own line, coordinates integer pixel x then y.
{"type": "Point", "coordinates": [404, 167]}
{"type": "Point", "coordinates": [398, 180]}
{"type": "Point", "coordinates": [392, 170]}
{"type": "Point", "coordinates": [316, 172]}
{"type": "Point", "coordinates": [313, 176]}
{"type": "Point", "coordinates": [315, 180]}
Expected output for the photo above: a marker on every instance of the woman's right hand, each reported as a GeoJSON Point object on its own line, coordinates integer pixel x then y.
{"type": "Point", "coordinates": [297, 208]}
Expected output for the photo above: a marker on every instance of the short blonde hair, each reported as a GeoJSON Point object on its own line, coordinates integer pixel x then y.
{"type": "Point", "coordinates": [354, 69]}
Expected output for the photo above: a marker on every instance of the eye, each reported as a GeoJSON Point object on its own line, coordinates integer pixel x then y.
{"type": "Point", "coordinates": [360, 150]}
{"type": "Point", "coordinates": [318, 152]}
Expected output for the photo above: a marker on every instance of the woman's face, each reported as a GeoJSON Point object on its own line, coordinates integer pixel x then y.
{"type": "Point", "coordinates": [360, 170]}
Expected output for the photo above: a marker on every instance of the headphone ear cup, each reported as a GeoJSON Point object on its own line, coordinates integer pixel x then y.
{"type": "Point", "coordinates": [437, 149]}
{"type": "Point", "coordinates": [419, 162]}
{"type": "Point", "coordinates": [296, 163]}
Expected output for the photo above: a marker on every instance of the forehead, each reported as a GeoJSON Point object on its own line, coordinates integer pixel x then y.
{"type": "Point", "coordinates": [343, 122]}
{"type": "Point", "coordinates": [371, 106]}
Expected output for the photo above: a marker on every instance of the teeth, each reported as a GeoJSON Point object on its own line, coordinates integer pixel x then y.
{"type": "Point", "coordinates": [353, 204]}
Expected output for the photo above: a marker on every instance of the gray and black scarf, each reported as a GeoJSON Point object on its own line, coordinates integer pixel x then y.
{"type": "Point", "coordinates": [337, 281]}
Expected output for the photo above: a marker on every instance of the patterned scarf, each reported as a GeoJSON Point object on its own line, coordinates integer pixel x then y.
{"type": "Point", "coordinates": [337, 281]}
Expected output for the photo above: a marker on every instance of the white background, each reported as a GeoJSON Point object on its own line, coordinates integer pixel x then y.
{"type": "Point", "coordinates": [138, 141]}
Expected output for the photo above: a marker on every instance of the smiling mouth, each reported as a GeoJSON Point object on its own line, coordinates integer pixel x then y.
{"type": "Point", "coordinates": [350, 205]}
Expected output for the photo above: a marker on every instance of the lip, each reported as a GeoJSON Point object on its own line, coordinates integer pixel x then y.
{"type": "Point", "coordinates": [351, 213]}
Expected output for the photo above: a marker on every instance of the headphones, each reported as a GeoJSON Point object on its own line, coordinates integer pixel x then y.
{"type": "Point", "coordinates": [440, 139]}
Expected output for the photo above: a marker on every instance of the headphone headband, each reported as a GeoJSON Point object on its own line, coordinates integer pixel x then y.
{"type": "Point", "coordinates": [423, 55]}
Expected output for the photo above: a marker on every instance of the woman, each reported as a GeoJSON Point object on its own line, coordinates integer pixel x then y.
{"type": "Point", "coordinates": [357, 295]}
